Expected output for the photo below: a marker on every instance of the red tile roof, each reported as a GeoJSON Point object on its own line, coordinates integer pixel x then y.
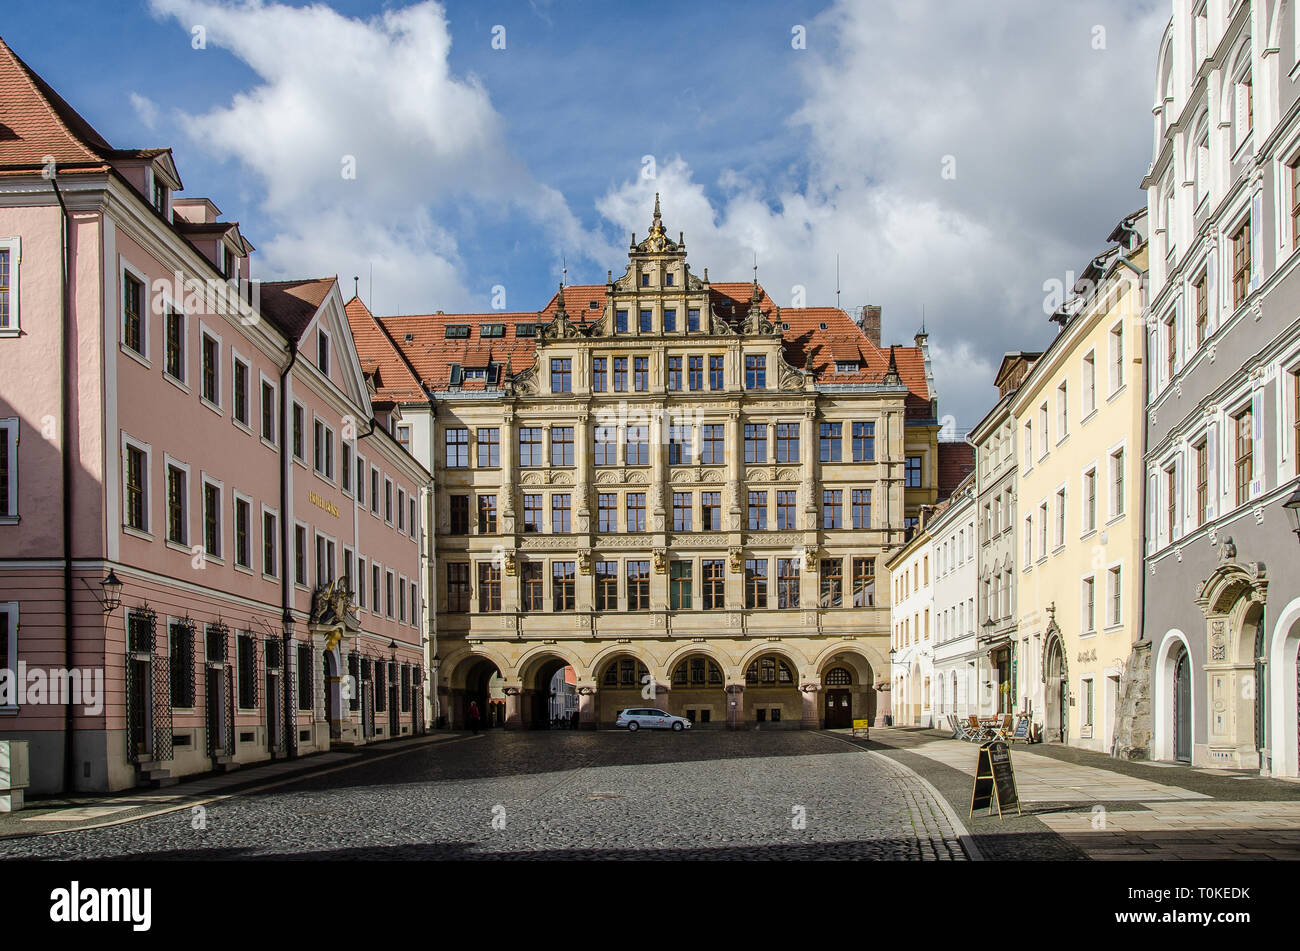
{"type": "Point", "coordinates": [956, 462]}
{"type": "Point", "coordinates": [381, 360]}
{"type": "Point", "coordinates": [291, 305]}
{"type": "Point", "coordinates": [36, 122]}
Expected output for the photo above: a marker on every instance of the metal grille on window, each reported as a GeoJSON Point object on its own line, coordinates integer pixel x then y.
{"type": "Point", "coordinates": [162, 709]}
{"type": "Point", "coordinates": [139, 681]}
{"type": "Point", "coordinates": [275, 725]}
{"type": "Point", "coordinates": [182, 668]}
{"type": "Point", "coordinates": [381, 686]}
{"type": "Point", "coordinates": [418, 715]}
{"type": "Point", "coordinates": [354, 671]}
{"type": "Point", "coordinates": [406, 688]}
{"type": "Point", "coordinates": [230, 693]}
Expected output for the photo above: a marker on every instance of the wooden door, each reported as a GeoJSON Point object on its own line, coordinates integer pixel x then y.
{"type": "Point", "coordinates": [839, 709]}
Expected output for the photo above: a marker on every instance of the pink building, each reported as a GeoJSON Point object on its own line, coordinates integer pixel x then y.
{"type": "Point", "coordinates": [207, 441]}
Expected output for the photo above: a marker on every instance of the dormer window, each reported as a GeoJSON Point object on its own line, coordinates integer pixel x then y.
{"type": "Point", "coordinates": [475, 373]}
{"type": "Point", "coordinates": [323, 352]}
{"type": "Point", "coordinates": [846, 366]}
{"type": "Point", "coordinates": [457, 331]}
{"type": "Point", "coordinates": [159, 196]}
{"type": "Point", "coordinates": [525, 330]}
{"type": "Point", "coordinates": [492, 330]}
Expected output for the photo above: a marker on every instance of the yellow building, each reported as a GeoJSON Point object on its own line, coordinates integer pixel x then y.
{"type": "Point", "coordinates": [675, 487]}
{"type": "Point", "coordinates": [1079, 418]}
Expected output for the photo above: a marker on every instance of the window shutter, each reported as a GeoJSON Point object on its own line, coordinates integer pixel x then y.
{"type": "Point", "coordinates": [1256, 239]}
{"type": "Point", "coordinates": [1257, 438]}
{"type": "Point", "coordinates": [1211, 468]}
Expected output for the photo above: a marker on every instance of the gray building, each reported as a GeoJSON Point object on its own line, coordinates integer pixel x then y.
{"type": "Point", "coordinates": [994, 439]}
{"type": "Point", "coordinates": [1222, 594]}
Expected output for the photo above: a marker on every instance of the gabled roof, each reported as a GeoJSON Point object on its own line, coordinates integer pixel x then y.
{"type": "Point", "coordinates": [432, 354]}
{"type": "Point", "coordinates": [381, 359]}
{"type": "Point", "coordinates": [36, 122]}
{"type": "Point", "coordinates": [291, 305]}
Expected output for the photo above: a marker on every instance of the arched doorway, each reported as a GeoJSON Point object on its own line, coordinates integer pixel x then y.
{"type": "Point", "coordinates": [623, 680]}
{"type": "Point", "coordinates": [333, 692]}
{"type": "Point", "coordinates": [483, 688]}
{"type": "Point", "coordinates": [699, 693]}
{"type": "Point", "coordinates": [1055, 724]}
{"type": "Point", "coordinates": [1232, 599]}
{"type": "Point", "coordinates": [1182, 711]}
{"type": "Point", "coordinates": [772, 692]}
{"type": "Point", "coordinates": [538, 691]}
{"type": "Point", "coordinates": [837, 698]}
{"type": "Point", "coordinates": [1284, 692]}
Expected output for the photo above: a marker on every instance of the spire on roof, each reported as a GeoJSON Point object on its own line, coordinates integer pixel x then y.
{"type": "Point", "coordinates": [892, 376]}
{"type": "Point", "coordinates": [559, 308]}
{"type": "Point", "coordinates": [658, 217]}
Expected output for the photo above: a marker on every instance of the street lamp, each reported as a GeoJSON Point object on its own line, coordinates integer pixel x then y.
{"type": "Point", "coordinates": [287, 623]}
{"type": "Point", "coordinates": [112, 588]}
{"type": "Point", "coordinates": [1292, 506]}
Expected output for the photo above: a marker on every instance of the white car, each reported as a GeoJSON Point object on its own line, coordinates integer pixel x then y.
{"type": "Point", "coordinates": [638, 717]}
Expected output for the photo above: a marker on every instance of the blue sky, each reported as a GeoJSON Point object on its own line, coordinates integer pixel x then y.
{"type": "Point", "coordinates": [479, 166]}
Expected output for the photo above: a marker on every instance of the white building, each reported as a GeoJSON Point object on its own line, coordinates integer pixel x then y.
{"type": "Point", "coordinates": [953, 541]}
{"type": "Point", "coordinates": [911, 643]}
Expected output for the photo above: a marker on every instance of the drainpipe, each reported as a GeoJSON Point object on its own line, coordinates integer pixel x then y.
{"type": "Point", "coordinates": [286, 537]}
{"type": "Point", "coordinates": [65, 426]}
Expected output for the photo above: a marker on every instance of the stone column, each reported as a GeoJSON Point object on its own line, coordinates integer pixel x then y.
{"type": "Point", "coordinates": [811, 711]}
{"type": "Point", "coordinates": [509, 479]}
{"type": "Point", "coordinates": [735, 709]}
{"type": "Point", "coordinates": [659, 475]}
{"type": "Point", "coordinates": [582, 474]}
{"type": "Point", "coordinates": [587, 706]}
{"type": "Point", "coordinates": [516, 698]}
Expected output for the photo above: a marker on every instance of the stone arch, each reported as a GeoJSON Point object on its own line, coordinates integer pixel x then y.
{"type": "Point", "coordinates": [470, 672]}
{"type": "Point", "coordinates": [609, 700]}
{"type": "Point", "coordinates": [798, 663]}
{"type": "Point", "coordinates": [1283, 701]}
{"type": "Point", "coordinates": [1055, 675]}
{"type": "Point", "coordinates": [671, 661]}
{"type": "Point", "coordinates": [865, 700]}
{"type": "Point", "coordinates": [1163, 665]}
{"type": "Point", "coordinates": [709, 703]}
{"type": "Point", "coordinates": [1232, 599]}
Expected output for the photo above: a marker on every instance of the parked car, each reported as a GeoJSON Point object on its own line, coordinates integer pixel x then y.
{"type": "Point", "coordinates": [638, 717]}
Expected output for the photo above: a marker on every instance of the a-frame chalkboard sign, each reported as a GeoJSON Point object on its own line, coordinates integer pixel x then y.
{"type": "Point", "coordinates": [995, 780]}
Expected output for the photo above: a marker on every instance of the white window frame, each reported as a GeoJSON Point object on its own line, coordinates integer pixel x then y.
{"type": "Point", "coordinates": [294, 406]}
{"type": "Point", "coordinates": [307, 554]}
{"type": "Point", "coordinates": [1087, 386]}
{"type": "Point", "coordinates": [1084, 528]}
{"type": "Point", "coordinates": [235, 498]}
{"type": "Point", "coordinates": [1113, 624]}
{"type": "Point", "coordinates": [10, 662]}
{"type": "Point", "coordinates": [187, 518]}
{"type": "Point", "coordinates": [1062, 411]}
{"type": "Point", "coordinates": [14, 247]}
{"type": "Point", "coordinates": [182, 381]}
{"type": "Point", "coordinates": [273, 442]}
{"type": "Point", "coordinates": [401, 509]}
{"type": "Point", "coordinates": [206, 480]}
{"type": "Point", "coordinates": [317, 548]}
{"type": "Point", "coordinates": [324, 335]}
{"type": "Point", "coordinates": [375, 482]}
{"type": "Point", "coordinates": [216, 407]}
{"type": "Point", "coordinates": [1087, 629]}
{"type": "Point", "coordinates": [276, 557]}
{"type": "Point", "coordinates": [125, 267]}
{"type": "Point", "coordinates": [347, 467]}
{"type": "Point", "coordinates": [9, 432]}
{"type": "Point", "coordinates": [246, 425]}
{"type": "Point", "coordinates": [1112, 514]}
{"type": "Point", "coordinates": [1115, 375]}
{"type": "Point", "coordinates": [389, 580]}
{"type": "Point", "coordinates": [388, 501]}
{"type": "Point", "coordinates": [401, 598]}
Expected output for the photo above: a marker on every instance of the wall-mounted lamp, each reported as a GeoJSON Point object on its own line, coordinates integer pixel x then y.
{"type": "Point", "coordinates": [1292, 506]}
{"type": "Point", "coordinates": [112, 588]}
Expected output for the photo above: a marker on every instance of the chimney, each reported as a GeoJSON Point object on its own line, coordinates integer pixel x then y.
{"type": "Point", "coordinates": [870, 322]}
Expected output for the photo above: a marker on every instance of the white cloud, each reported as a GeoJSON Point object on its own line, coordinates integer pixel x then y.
{"type": "Point", "coordinates": [146, 110]}
{"type": "Point", "coordinates": [376, 96]}
{"type": "Point", "coordinates": [1049, 137]}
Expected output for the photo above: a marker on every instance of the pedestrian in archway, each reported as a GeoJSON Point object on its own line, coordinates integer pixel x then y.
{"type": "Point", "coordinates": [473, 715]}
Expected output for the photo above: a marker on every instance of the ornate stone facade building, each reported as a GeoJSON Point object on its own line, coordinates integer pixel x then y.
{"type": "Point", "coordinates": [675, 486]}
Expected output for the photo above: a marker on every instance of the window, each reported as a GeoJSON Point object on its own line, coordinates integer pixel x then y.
{"type": "Point", "coordinates": [1029, 447]}
{"type": "Point", "coordinates": [912, 473]}
{"type": "Point", "coordinates": [459, 510]}
{"type": "Point", "coordinates": [487, 514]}
{"type": "Point", "coordinates": [620, 374]}
{"type": "Point", "coordinates": [787, 442]}
{"type": "Point", "coordinates": [861, 499]}
{"type": "Point", "coordinates": [136, 479]}
{"type": "Point", "coordinates": [711, 577]}
{"type": "Point", "coordinates": [1089, 383]}
{"type": "Point", "coordinates": [1114, 595]}
{"type": "Point", "coordinates": [561, 445]}
{"type": "Point", "coordinates": [174, 344]}
{"type": "Point", "coordinates": [270, 544]}
{"type": "Point", "coordinates": [1244, 454]}
{"type": "Point", "coordinates": [1060, 518]}
{"type": "Point", "coordinates": [680, 439]}
{"type": "Point", "coordinates": [268, 411]}
{"type": "Point", "coordinates": [404, 437]}
{"type": "Point", "coordinates": [489, 447]}
{"type": "Point", "coordinates": [300, 556]}
{"type": "Point", "coordinates": [829, 442]}
{"type": "Point", "coordinates": [1042, 530]}
{"type": "Point", "coordinates": [1062, 412]}
{"type": "Point", "coordinates": [638, 585]}
{"type": "Point", "coordinates": [832, 583]}
{"type": "Point", "coordinates": [560, 509]}
{"type": "Point", "coordinates": [247, 658]}
{"type": "Point", "coordinates": [755, 442]}
{"type": "Point", "coordinates": [324, 560]}
{"type": "Point", "coordinates": [562, 586]}
{"type": "Point", "coordinates": [682, 511]}
{"type": "Point", "coordinates": [864, 582]}
{"type": "Point", "coordinates": [606, 586]}
{"type": "Point", "coordinates": [298, 426]}
{"type": "Point", "coordinates": [715, 373]}
{"type": "Point", "coordinates": [712, 452]}
{"type": "Point", "coordinates": [606, 445]}
{"type": "Point", "coordinates": [787, 582]}
{"type": "Point", "coordinates": [607, 512]}
{"type": "Point", "coordinates": [692, 320]}
{"type": "Point", "coordinates": [1202, 483]}
{"type": "Point", "coordinates": [645, 321]}
{"type": "Point", "coordinates": [1090, 500]}
{"type": "Point", "coordinates": [599, 374]}
{"type": "Point", "coordinates": [757, 511]}
{"type": "Point", "coordinates": [9, 255]}
{"type": "Point", "coordinates": [1241, 263]}
{"type": "Point", "coordinates": [641, 374]}
{"type": "Point", "coordinates": [133, 314]}
{"type": "Point", "coordinates": [532, 513]}
{"type": "Point", "coordinates": [243, 530]}
{"type": "Point", "coordinates": [323, 352]}
{"type": "Point", "coordinates": [458, 588]}
{"type": "Point", "coordinates": [695, 372]}
{"type": "Point", "coordinates": [674, 372]}
{"type": "Point", "coordinates": [1043, 440]}
{"type": "Point", "coordinates": [1171, 502]}
{"type": "Point", "coordinates": [755, 372]}
{"type": "Point", "coordinates": [1171, 346]}
{"type": "Point", "coordinates": [864, 442]}
{"type": "Point", "coordinates": [210, 358]}
{"type": "Point", "coordinates": [532, 586]}
{"type": "Point", "coordinates": [1028, 555]}
{"type": "Point", "coordinates": [456, 332]}
{"type": "Point", "coordinates": [679, 586]}
{"type": "Point", "coordinates": [637, 449]}
{"type": "Point", "coordinates": [636, 512]}
{"type": "Point", "coordinates": [561, 375]}
{"type": "Point", "coordinates": [620, 322]}
{"type": "Point", "coordinates": [670, 315]}
{"type": "Point", "coordinates": [388, 500]}
{"type": "Point", "coordinates": [177, 507]}
{"type": "Point", "coordinates": [785, 510]}
{"type": "Point", "coordinates": [361, 582]}
{"type": "Point", "coordinates": [1116, 343]}
{"type": "Point", "coordinates": [756, 583]}
{"type": "Point", "coordinates": [489, 588]}
{"type": "Point", "coordinates": [711, 511]}
{"type": "Point", "coordinates": [182, 664]}
{"type": "Point", "coordinates": [1089, 605]}
{"type": "Point", "coordinates": [1117, 483]}
{"type": "Point", "coordinates": [831, 505]}
{"type": "Point", "coordinates": [456, 448]}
